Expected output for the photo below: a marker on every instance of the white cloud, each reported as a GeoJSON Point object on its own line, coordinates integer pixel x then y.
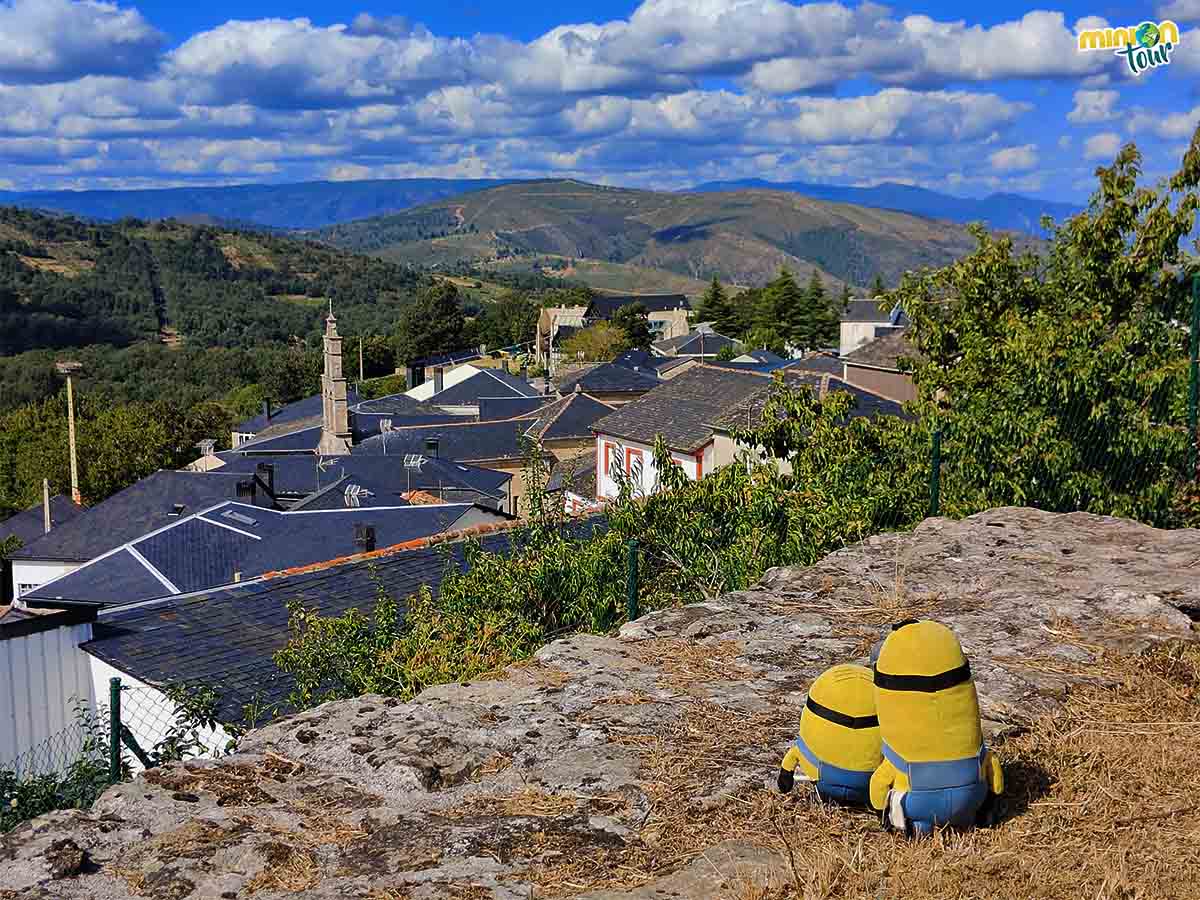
{"type": "Point", "coordinates": [1180, 10]}
{"type": "Point", "coordinates": [1170, 126]}
{"type": "Point", "coordinates": [58, 40]}
{"type": "Point", "coordinates": [1093, 107]}
{"type": "Point", "coordinates": [1102, 146]}
{"type": "Point", "coordinates": [1014, 159]}
{"type": "Point", "coordinates": [294, 64]}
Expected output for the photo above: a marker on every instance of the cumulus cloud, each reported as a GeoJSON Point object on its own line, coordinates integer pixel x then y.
{"type": "Point", "coordinates": [678, 88]}
{"type": "Point", "coordinates": [1014, 159]}
{"type": "Point", "coordinates": [291, 63]}
{"type": "Point", "coordinates": [45, 41]}
{"type": "Point", "coordinates": [1092, 106]}
{"type": "Point", "coordinates": [1170, 126]}
{"type": "Point", "coordinates": [1180, 10]}
{"type": "Point", "coordinates": [1102, 146]}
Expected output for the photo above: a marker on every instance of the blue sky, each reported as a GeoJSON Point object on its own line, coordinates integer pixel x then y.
{"type": "Point", "coordinates": [969, 98]}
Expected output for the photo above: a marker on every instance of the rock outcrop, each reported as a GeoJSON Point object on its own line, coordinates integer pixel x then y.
{"type": "Point", "coordinates": [639, 765]}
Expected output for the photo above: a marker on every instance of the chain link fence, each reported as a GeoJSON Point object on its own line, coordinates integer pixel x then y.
{"type": "Point", "coordinates": [138, 728]}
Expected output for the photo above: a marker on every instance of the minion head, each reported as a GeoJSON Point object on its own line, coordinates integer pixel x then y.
{"type": "Point", "coordinates": [925, 696]}
{"type": "Point", "coordinates": [838, 722]}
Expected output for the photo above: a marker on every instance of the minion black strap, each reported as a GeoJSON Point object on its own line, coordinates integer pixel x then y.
{"type": "Point", "coordinates": [928, 684]}
{"type": "Point", "coordinates": [840, 718]}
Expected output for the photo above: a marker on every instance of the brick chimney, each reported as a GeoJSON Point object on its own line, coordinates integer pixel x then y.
{"type": "Point", "coordinates": [335, 414]}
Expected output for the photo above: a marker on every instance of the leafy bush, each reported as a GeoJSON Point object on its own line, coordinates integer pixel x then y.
{"type": "Point", "coordinates": [73, 786]}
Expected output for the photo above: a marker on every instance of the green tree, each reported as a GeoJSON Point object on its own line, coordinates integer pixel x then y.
{"type": "Point", "coordinates": [596, 343]}
{"type": "Point", "coordinates": [1060, 380]}
{"type": "Point", "coordinates": [728, 353]}
{"type": "Point", "coordinates": [878, 288]}
{"type": "Point", "coordinates": [431, 324]}
{"type": "Point", "coordinates": [716, 307]}
{"type": "Point", "coordinates": [634, 321]}
{"type": "Point", "coordinates": [844, 300]}
{"type": "Point", "coordinates": [509, 320]}
{"type": "Point", "coordinates": [819, 325]}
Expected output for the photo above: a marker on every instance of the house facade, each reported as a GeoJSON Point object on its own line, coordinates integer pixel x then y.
{"type": "Point", "coordinates": [678, 412]}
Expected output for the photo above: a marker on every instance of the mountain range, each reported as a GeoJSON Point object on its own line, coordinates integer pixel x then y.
{"type": "Point", "coordinates": [310, 204]}
{"type": "Point", "coordinates": [1004, 212]}
{"type": "Point", "coordinates": [316, 204]}
{"type": "Point", "coordinates": [743, 237]}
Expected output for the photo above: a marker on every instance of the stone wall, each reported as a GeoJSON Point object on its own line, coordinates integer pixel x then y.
{"type": "Point", "coordinates": [639, 765]}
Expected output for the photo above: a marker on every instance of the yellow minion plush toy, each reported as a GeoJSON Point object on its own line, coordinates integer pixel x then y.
{"type": "Point", "coordinates": [936, 769]}
{"type": "Point", "coordinates": [838, 746]}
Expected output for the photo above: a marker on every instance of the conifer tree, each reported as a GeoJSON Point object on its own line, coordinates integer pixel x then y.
{"type": "Point", "coordinates": [878, 288]}
{"type": "Point", "coordinates": [715, 307]}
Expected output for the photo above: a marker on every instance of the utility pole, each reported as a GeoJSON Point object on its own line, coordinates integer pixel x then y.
{"type": "Point", "coordinates": [69, 369]}
{"type": "Point", "coordinates": [46, 505]}
{"type": "Point", "coordinates": [360, 361]}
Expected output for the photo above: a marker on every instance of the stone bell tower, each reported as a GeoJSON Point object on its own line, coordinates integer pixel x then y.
{"type": "Point", "coordinates": [336, 437]}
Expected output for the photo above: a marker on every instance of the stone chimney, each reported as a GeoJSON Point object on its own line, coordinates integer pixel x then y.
{"type": "Point", "coordinates": [335, 413]}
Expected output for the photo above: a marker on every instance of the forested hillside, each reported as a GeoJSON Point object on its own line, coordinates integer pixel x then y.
{"type": "Point", "coordinates": [66, 283]}
{"type": "Point", "coordinates": [309, 204]}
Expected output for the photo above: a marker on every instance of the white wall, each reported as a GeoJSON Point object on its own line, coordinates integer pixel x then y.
{"type": "Point", "coordinates": [857, 334]}
{"type": "Point", "coordinates": [37, 572]}
{"type": "Point", "coordinates": [145, 710]}
{"type": "Point", "coordinates": [450, 378]}
{"type": "Point", "coordinates": [608, 488]}
{"type": "Point", "coordinates": [41, 677]}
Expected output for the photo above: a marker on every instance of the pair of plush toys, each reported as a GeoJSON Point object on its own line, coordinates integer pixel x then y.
{"type": "Point", "coordinates": [904, 738]}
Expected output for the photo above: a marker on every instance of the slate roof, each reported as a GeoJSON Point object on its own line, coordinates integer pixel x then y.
{"type": "Point", "coordinates": [680, 409]}
{"type": "Point", "coordinates": [885, 351]}
{"type": "Point", "coordinates": [203, 551]}
{"type": "Point", "coordinates": [869, 311]}
{"type": "Point", "coordinates": [749, 412]}
{"type": "Point", "coordinates": [446, 359]}
{"type": "Point", "coordinates": [610, 378]}
{"type": "Point", "coordinates": [570, 417]}
{"type": "Point", "coordinates": [28, 525]}
{"type": "Point", "coordinates": [606, 306]}
{"type": "Point", "coordinates": [577, 475]}
{"type": "Point", "coordinates": [291, 414]}
{"type": "Point", "coordinates": [389, 405]}
{"type": "Point", "coordinates": [485, 383]}
{"type": "Point", "coordinates": [820, 362]}
{"type": "Point", "coordinates": [763, 356]}
{"type": "Point", "coordinates": [492, 408]}
{"type": "Point", "coordinates": [304, 440]}
{"type": "Point", "coordinates": [463, 442]}
{"type": "Point", "coordinates": [228, 637]}
{"type": "Point", "coordinates": [695, 343]}
{"type": "Point", "coordinates": [386, 476]}
{"type": "Point", "coordinates": [131, 513]}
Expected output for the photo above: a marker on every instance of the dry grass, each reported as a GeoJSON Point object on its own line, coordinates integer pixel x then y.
{"type": "Point", "coordinates": [1102, 802]}
{"type": "Point", "coordinates": [685, 665]}
{"type": "Point", "coordinates": [289, 869]}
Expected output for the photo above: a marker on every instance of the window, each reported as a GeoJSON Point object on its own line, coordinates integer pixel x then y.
{"type": "Point", "coordinates": [633, 464]}
{"type": "Point", "coordinates": [608, 460]}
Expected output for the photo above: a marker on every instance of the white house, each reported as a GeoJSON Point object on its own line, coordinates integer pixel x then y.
{"type": "Point", "coordinates": [863, 321]}
{"type": "Point", "coordinates": [681, 413]}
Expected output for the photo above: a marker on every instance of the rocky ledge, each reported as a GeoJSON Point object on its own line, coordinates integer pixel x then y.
{"type": "Point", "coordinates": [638, 765]}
